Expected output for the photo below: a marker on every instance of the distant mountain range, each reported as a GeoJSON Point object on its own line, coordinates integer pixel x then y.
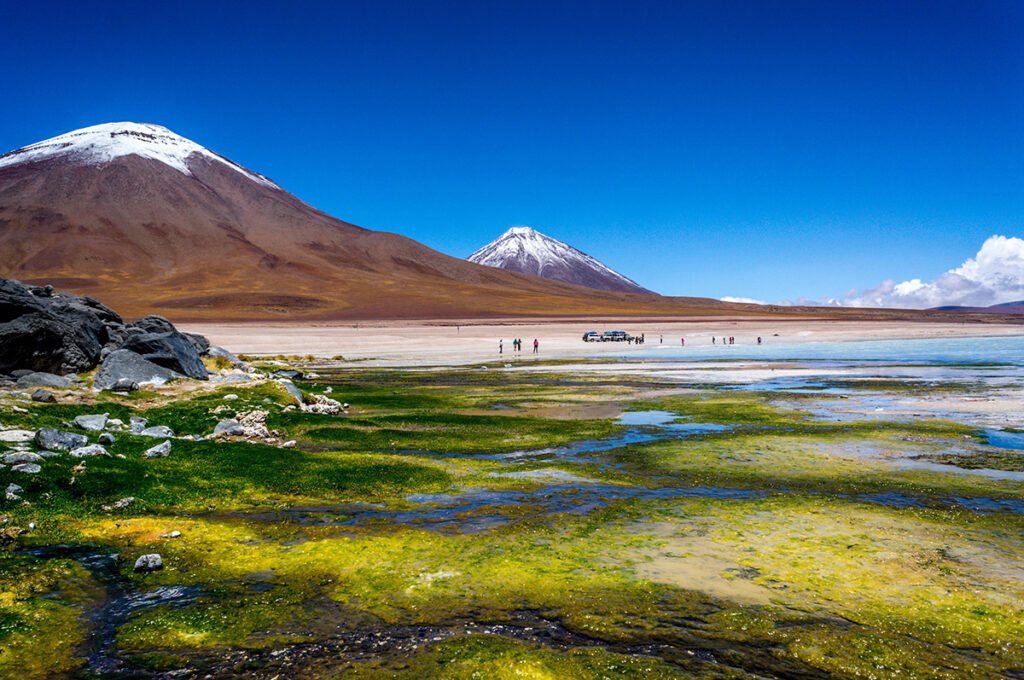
{"type": "Point", "coordinates": [526, 250]}
{"type": "Point", "coordinates": [150, 222]}
{"type": "Point", "coordinates": [1002, 308]}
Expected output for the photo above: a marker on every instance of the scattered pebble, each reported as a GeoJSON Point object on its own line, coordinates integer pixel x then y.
{"type": "Point", "coordinates": [172, 534]}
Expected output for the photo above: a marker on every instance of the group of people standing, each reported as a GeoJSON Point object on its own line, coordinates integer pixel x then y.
{"type": "Point", "coordinates": [731, 340]}
{"type": "Point", "coordinates": [517, 345]}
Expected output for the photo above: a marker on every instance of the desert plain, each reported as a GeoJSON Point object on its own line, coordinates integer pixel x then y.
{"type": "Point", "coordinates": [456, 341]}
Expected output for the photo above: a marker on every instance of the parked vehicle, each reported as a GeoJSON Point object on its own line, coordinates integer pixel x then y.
{"type": "Point", "coordinates": [592, 336]}
{"type": "Point", "coordinates": [616, 336]}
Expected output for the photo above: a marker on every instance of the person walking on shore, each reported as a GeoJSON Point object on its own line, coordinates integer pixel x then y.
{"type": "Point", "coordinates": [500, 346]}
{"type": "Point", "coordinates": [536, 345]}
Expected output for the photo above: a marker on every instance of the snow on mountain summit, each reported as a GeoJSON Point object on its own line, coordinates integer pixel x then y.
{"type": "Point", "coordinates": [526, 250]}
{"type": "Point", "coordinates": [103, 143]}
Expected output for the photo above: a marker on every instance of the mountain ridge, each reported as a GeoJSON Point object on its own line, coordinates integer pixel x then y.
{"type": "Point", "coordinates": [150, 221]}
{"type": "Point", "coordinates": [99, 216]}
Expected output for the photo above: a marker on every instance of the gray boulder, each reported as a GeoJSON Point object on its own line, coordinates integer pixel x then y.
{"type": "Point", "coordinates": [89, 451]}
{"type": "Point", "coordinates": [288, 373]}
{"type": "Point", "coordinates": [50, 331]}
{"type": "Point", "coordinates": [165, 346]}
{"type": "Point", "coordinates": [291, 389]}
{"type": "Point", "coordinates": [93, 423]}
{"type": "Point", "coordinates": [159, 451]}
{"type": "Point", "coordinates": [21, 457]}
{"type": "Point", "coordinates": [45, 380]}
{"type": "Point", "coordinates": [106, 439]}
{"type": "Point", "coordinates": [215, 351]}
{"type": "Point", "coordinates": [14, 488]}
{"type": "Point", "coordinates": [201, 344]}
{"type": "Point", "coordinates": [49, 438]}
{"type": "Point", "coordinates": [157, 431]}
{"type": "Point", "coordinates": [148, 563]}
{"type": "Point", "coordinates": [124, 385]}
{"type": "Point", "coordinates": [229, 427]}
{"type": "Point", "coordinates": [44, 396]}
{"type": "Point", "coordinates": [27, 468]}
{"type": "Point", "coordinates": [231, 377]}
{"type": "Point", "coordinates": [137, 424]}
{"type": "Point", "coordinates": [129, 366]}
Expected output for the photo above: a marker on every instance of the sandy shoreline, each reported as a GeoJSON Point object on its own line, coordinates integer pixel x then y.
{"type": "Point", "coordinates": [451, 342]}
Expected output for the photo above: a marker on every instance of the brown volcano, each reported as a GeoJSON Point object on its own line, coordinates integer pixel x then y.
{"type": "Point", "coordinates": [150, 222]}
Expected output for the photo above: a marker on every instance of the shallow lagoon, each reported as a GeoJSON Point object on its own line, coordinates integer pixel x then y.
{"type": "Point", "coordinates": [721, 520]}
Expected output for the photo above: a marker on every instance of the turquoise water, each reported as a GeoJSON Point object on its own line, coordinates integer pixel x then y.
{"type": "Point", "coordinates": [1001, 350]}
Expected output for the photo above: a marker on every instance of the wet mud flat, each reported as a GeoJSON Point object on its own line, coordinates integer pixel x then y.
{"type": "Point", "coordinates": [768, 528]}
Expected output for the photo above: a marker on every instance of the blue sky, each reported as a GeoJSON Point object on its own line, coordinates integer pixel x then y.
{"type": "Point", "coordinates": [773, 150]}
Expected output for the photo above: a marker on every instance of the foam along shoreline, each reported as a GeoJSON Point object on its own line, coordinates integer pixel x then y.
{"type": "Point", "coordinates": [457, 342]}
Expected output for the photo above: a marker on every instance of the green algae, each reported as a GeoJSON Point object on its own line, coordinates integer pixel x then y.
{"type": "Point", "coordinates": [813, 579]}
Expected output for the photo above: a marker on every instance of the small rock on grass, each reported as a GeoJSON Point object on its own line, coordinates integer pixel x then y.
{"type": "Point", "coordinates": [106, 439]}
{"type": "Point", "coordinates": [93, 423]}
{"type": "Point", "coordinates": [27, 468]}
{"type": "Point", "coordinates": [157, 431]}
{"type": "Point", "coordinates": [16, 436]}
{"type": "Point", "coordinates": [172, 534]}
{"type": "Point", "coordinates": [44, 396]}
{"type": "Point", "coordinates": [87, 451]}
{"type": "Point", "coordinates": [159, 451]}
{"type": "Point", "coordinates": [14, 488]}
{"type": "Point", "coordinates": [120, 504]}
{"type": "Point", "coordinates": [230, 427]}
{"type": "Point", "coordinates": [292, 390]}
{"type": "Point", "coordinates": [148, 563]}
{"type": "Point", "coordinates": [138, 424]}
{"type": "Point", "coordinates": [21, 457]}
{"type": "Point", "coordinates": [49, 438]}
{"type": "Point", "coordinates": [124, 385]}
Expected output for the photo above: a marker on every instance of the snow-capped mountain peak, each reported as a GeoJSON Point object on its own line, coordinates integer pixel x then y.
{"type": "Point", "coordinates": [526, 250]}
{"type": "Point", "coordinates": [103, 143]}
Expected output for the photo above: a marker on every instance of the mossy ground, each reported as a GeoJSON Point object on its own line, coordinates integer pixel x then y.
{"type": "Point", "coordinates": [773, 548]}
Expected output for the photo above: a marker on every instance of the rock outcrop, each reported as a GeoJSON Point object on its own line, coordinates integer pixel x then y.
{"type": "Point", "coordinates": [49, 331]}
{"type": "Point", "coordinates": [46, 334]}
{"type": "Point", "coordinates": [124, 367]}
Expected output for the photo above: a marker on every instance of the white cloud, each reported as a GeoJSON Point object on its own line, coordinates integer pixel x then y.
{"type": "Point", "coordinates": [994, 275]}
{"type": "Point", "coordinates": [749, 301]}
